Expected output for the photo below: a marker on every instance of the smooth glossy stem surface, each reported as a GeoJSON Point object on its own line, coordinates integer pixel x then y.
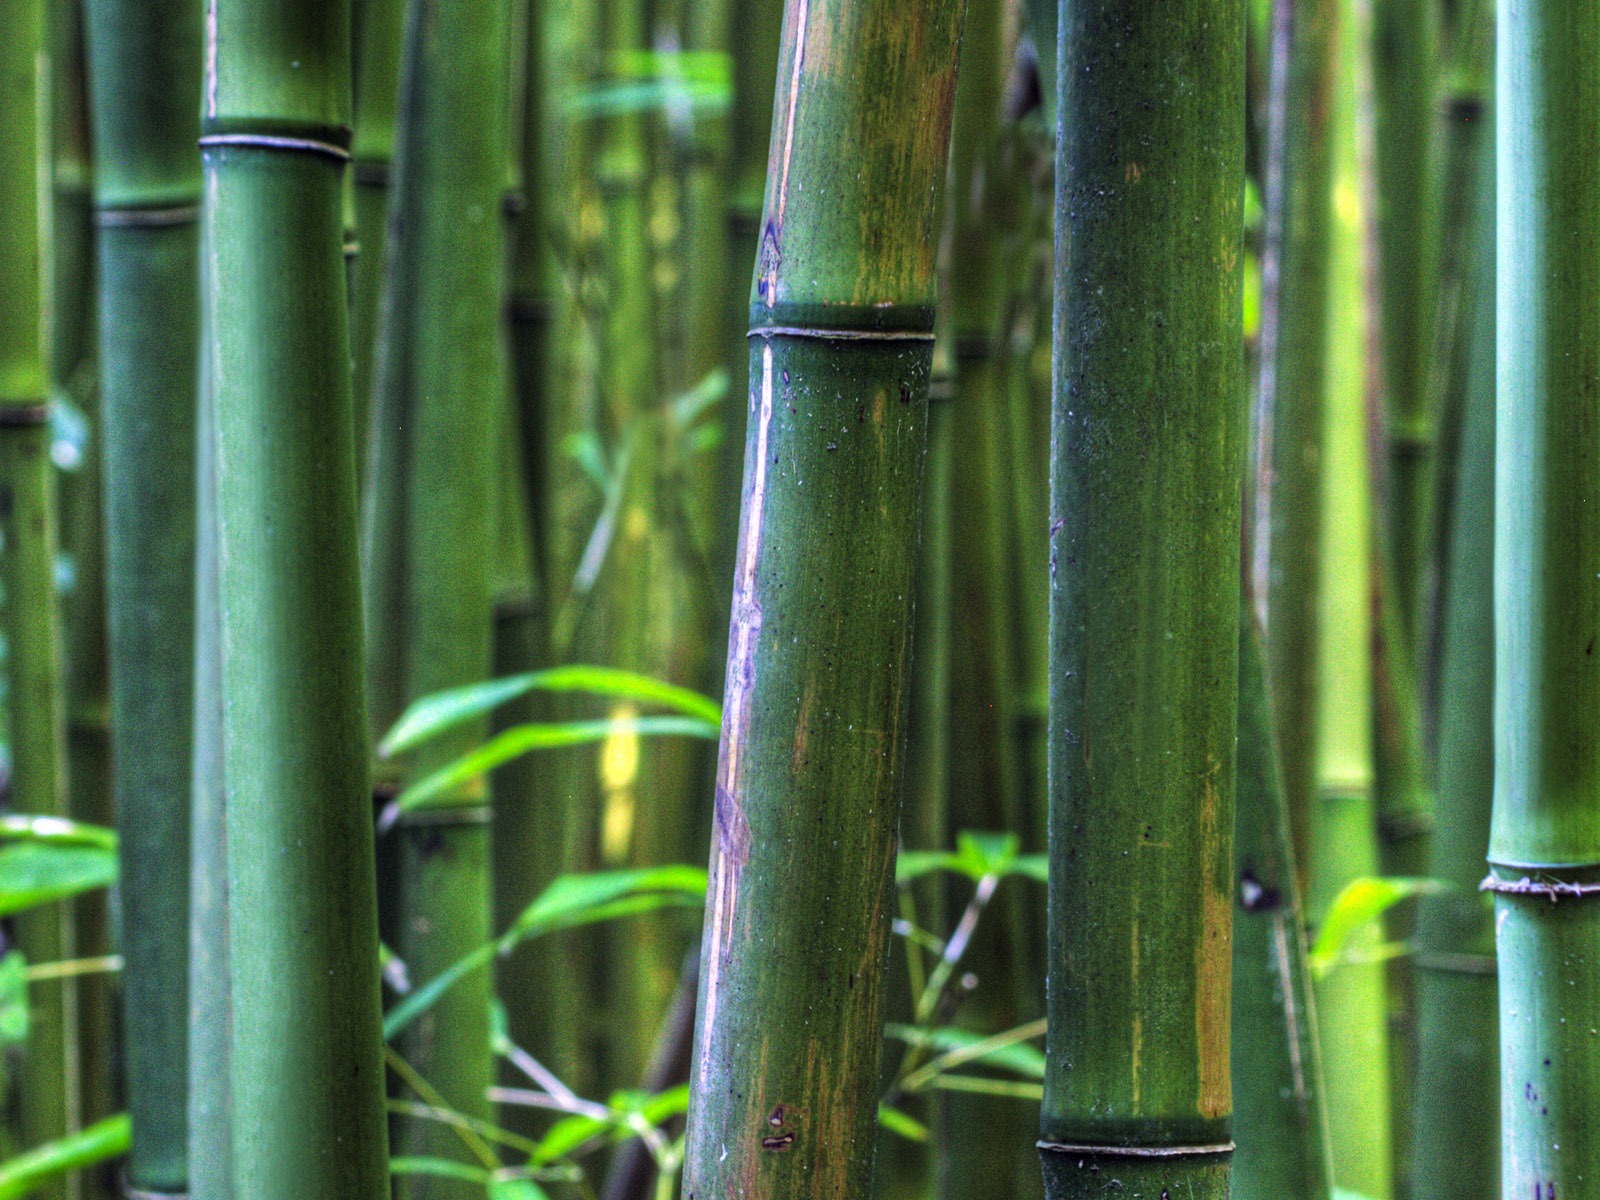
{"type": "Point", "coordinates": [308, 1111]}
{"type": "Point", "coordinates": [1144, 586]}
{"type": "Point", "coordinates": [144, 75]}
{"type": "Point", "coordinates": [1544, 846]}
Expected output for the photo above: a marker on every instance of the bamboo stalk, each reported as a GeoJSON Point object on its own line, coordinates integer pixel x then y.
{"type": "Point", "coordinates": [1294, 300]}
{"type": "Point", "coordinates": [1456, 1144]}
{"type": "Point", "coordinates": [983, 768]}
{"type": "Point", "coordinates": [47, 1079]}
{"type": "Point", "coordinates": [797, 926]}
{"type": "Point", "coordinates": [439, 374]}
{"type": "Point", "coordinates": [210, 985]}
{"type": "Point", "coordinates": [308, 1115]}
{"type": "Point", "coordinates": [1279, 1105]}
{"type": "Point", "coordinates": [378, 29]}
{"type": "Point", "coordinates": [1544, 846]}
{"type": "Point", "coordinates": [1144, 599]}
{"type": "Point", "coordinates": [73, 370]}
{"type": "Point", "coordinates": [144, 75]}
{"type": "Point", "coordinates": [1405, 56]}
{"type": "Point", "coordinates": [1352, 1011]}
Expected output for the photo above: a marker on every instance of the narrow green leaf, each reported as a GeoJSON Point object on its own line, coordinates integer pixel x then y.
{"type": "Point", "coordinates": [688, 406]}
{"type": "Point", "coordinates": [38, 872]}
{"type": "Point", "coordinates": [28, 1172]}
{"type": "Point", "coordinates": [899, 1123]}
{"type": "Point", "coordinates": [568, 902]}
{"type": "Point", "coordinates": [1017, 1056]}
{"type": "Point", "coordinates": [914, 864]}
{"type": "Point", "coordinates": [616, 99]}
{"type": "Point", "coordinates": [520, 1188]}
{"type": "Point", "coordinates": [704, 66]}
{"type": "Point", "coordinates": [513, 743]}
{"type": "Point", "coordinates": [439, 1168]}
{"type": "Point", "coordinates": [432, 715]}
{"type": "Point", "coordinates": [1032, 866]}
{"type": "Point", "coordinates": [23, 827]}
{"type": "Point", "coordinates": [1362, 901]}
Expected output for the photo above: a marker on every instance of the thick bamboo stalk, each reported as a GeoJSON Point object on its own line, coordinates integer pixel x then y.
{"type": "Point", "coordinates": [48, 1079]}
{"type": "Point", "coordinates": [1352, 1009]}
{"type": "Point", "coordinates": [144, 76]}
{"type": "Point", "coordinates": [1456, 1142]}
{"type": "Point", "coordinates": [1544, 846]}
{"type": "Point", "coordinates": [1279, 1107]}
{"type": "Point", "coordinates": [1287, 517]}
{"type": "Point", "coordinates": [808, 790]}
{"type": "Point", "coordinates": [439, 392]}
{"type": "Point", "coordinates": [1144, 583]}
{"type": "Point", "coordinates": [306, 1063]}
{"type": "Point", "coordinates": [73, 370]}
{"type": "Point", "coordinates": [210, 984]}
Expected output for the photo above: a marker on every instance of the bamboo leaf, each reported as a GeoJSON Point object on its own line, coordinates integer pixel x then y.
{"type": "Point", "coordinates": [900, 1123]}
{"type": "Point", "coordinates": [569, 1133]}
{"type": "Point", "coordinates": [1016, 1056]}
{"type": "Point", "coordinates": [702, 66]}
{"type": "Point", "coordinates": [432, 715]}
{"type": "Point", "coordinates": [586, 450]}
{"type": "Point", "coordinates": [34, 873]}
{"type": "Point", "coordinates": [568, 902]}
{"type": "Point", "coordinates": [523, 739]}
{"type": "Point", "coordinates": [986, 853]}
{"type": "Point", "coordinates": [914, 864]}
{"type": "Point", "coordinates": [618, 98]}
{"type": "Point", "coordinates": [1032, 866]}
{"type": "Point", "coordinates": [516, 1189]}
{"type": "Point", "coordinates": [988, 1087]}
{"type": "Point", "coordinates": [438, 1168]}
{"type": "Point", "coordinates": [24, 827]}
{"type": "Point", "coordinates": [1362, 901]}
{"type": "Point", "coordinates": [688, 407]}
{"type": "Point", "coordinates": [30, 1171]}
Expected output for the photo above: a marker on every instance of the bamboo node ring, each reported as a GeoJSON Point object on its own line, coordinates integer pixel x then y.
{"type": "Point", "coordinates": [1070, 1148]}
{"type": "Point", "coordinates": [16, 416]}
{"type": "Point", "coordinates": [1554, 889]}
{"type": "Point", "coordinates": [842, 335]}
{"type": "Point", "coordinates": [147, 218]}
{"type": "Point", "coordinates": [271, 141]}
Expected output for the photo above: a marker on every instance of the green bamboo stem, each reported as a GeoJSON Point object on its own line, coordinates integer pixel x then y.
{"type": "Point", "coordinates": [307, 1098]}
{"type": "Point", "coordinates": [797, 925]}
{"type": "Point", "coordinates": [1144, 589]}
{"type": "Point", "coordinates": [1279, 1105]}
{"type": "Point", "coordinates": [73, 369]}
{"type": "Point", "coordinates": [1405, 76]}
{"type": "Point", "coordinates": [210, 985]}
{"type": "Point", "coordinates": [144, 75]}
{"type": "Point", "coordinates": [983, 772]}
{"type": "Point", "coordinates": [1544, 846]}
{"type": "Point", "coordinates": [1456, 1140]}
{"type": "Point", "coordinates": [378, 31]}
{"type": "Point", "coordinates": [1352, 1009]}
{"type": "Point", "coordinates": [652, 615]}
{"type": "Point", "coordinates": [1287, 517]}
{"type": "Point", "coordinates": [439, 368]}
{"type": "Point", "coordinates": [27, 570]}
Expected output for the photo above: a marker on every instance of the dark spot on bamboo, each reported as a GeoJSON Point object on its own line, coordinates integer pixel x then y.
{"type": "Point", "coordinates": [833, 445]}
{"type": "Point", "coordinates": [776, 1119]}
{"type": "Point", "coordinates": [780, 1141]}
{"type": "Point", "coordinates": [905, 393]}
{"type": "Point", "coordinates": [1254, 896]}
{"type": "Point", "coordinates": [1589, 649]}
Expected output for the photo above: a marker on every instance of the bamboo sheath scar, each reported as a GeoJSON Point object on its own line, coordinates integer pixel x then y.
{"type": "Point", "coordinates": [808, 788]}
{"type": "Point", "coordinates": [1144, 593]}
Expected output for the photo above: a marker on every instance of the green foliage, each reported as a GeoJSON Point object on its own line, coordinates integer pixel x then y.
{"type": "Point", "coordinates": [36, 872]}
{"type": "Point", "coordinates": [1361, 902]}
{"type": "Point", "coordinates": [30, 1171]}
{"type": "Point", "coordinates": [976, 855]}
{"type": "Point", "coordinates": [13, 1000]}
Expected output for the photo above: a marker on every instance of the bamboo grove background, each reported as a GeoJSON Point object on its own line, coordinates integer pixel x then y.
{"type": "Point", "coordinates": [1142, 457]}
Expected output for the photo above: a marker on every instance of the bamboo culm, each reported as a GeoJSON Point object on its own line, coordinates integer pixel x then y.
{"type": "Point", "coordinates": [144, 76]}
{"type": "Point", "coordinates": [308, 1109]}
{"type": "Point", "coordinates": [32, 627]}
{"type": "Point", "coordinates": [783, 1085]}
{"type": "Point", "coordinates": [1144, 594]}
{"type": "Point", "coordinates": [1544, 844]}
